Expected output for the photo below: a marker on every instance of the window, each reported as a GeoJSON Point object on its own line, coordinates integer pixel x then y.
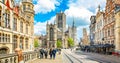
{"type": "Point", "coordinates": [0, 15]}
{"type": "Point", "coordinates": [8, 38]}
{"type": "Point", "coordinates": [28, 7]}
{"type": "Point", "coordinates": [51, 34]}
{"type": "Point", "coordinates": [112, 30]}
{"type": "Point", "coordinates": [3, 37]}
{"type": "Point", "coordinates": [3, 50]}
{"type": "Point", "coordinates": [15, 24]}
{"type": "Point", "coordinates": [26, 43]}
{"type": "Point", "coordinates": [14, 42]}
{"type": "Point", "coordinates": [60, 21]}
{"type": "Point", "coordinates": [24, 7]}
{"type": "Point", "coordinates": [59, 17]}
{"type": "Point", "coordinates": [7, 19]}
{"type": "Point", "coordinates": [28, 18]}
{"type": "Point", "coordinates": [26, 28]}
{"type": "Point", "coordinates": [21, 27]}
{"type": "Point", "coordinates": [21, 42]}
{"type": "Point", "coordinates": [0, 37]}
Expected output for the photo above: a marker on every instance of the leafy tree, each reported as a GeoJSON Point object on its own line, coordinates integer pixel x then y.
{"type": "Point", "coordinates": [36, 44]}
{"type": "Point", "coordinates": [70, 42]}
{"type": "Point", "coordinates": [59, 44]}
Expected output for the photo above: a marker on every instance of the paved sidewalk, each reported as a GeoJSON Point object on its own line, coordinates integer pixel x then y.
{"type": "Point", "coordinates": [58, 59]}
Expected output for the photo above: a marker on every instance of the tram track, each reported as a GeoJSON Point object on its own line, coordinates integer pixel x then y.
{"type": "Point", "coordinates": [72, 59]}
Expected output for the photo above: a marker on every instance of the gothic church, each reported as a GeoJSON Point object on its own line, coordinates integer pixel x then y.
{"type": "Point", "coordinates": [58, 31]}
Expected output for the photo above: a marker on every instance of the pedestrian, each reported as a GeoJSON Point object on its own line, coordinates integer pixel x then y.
{"type": "Point", "coordinates": [54, 53]}
{"type": "Point", "coordinates": [46, 53]}
{"type": "Point", "coordinates": [18, 51]}
{"type": "Point", "coordinates": [41, 53]}
{"type": "Point", "coordinates": [50, 53]}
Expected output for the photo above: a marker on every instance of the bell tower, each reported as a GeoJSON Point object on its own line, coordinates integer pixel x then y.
{"type": "Point", "coordinates": [28, 10]}
{"type": "Point", "coordinates": [61, 21]}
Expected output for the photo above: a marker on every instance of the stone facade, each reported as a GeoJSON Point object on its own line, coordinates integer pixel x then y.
{"type": "Point", "coordinates": [109, 22]}
{"type": "Point", "coordinates": [16, 25]}
{"type": "Point", "coordinates": [99, 27]}
{"type": "Point", "coordinates": [117, 28]}
{"type": "Point", "coordinates": [107, 25]}
{"type": "Point", "coordinates": [51, 35]}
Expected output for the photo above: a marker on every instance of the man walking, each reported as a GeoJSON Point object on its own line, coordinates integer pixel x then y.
{"type": "Point", "coordinates": [54, 53]}
{"type": "Point", "coordinates": [41, 53]}
{"type": "Point", "coordinates": [46, 53]}
{"type": "Point", "coordinates": [50, 53]}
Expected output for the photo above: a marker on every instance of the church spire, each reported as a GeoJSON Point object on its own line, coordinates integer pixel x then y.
{"type": "Point", "coordinates": [73, 25]}
{"type": "Point", "coordinates": [98, 8]}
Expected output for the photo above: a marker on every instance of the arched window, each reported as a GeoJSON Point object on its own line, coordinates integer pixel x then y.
{"type": "Point", "coordinates": [0, 15]}
{"type": "Point", "coordinates": [7, 19]}
{"type": "Point", "coordinates": [51, 34]}
{"type": "Point", "coordinates": [4, 50]}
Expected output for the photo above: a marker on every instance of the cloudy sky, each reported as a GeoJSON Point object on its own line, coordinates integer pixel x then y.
{"type": "Point", "coordinates": [80, 10]}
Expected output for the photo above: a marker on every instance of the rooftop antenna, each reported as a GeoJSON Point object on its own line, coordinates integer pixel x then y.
{"type": "Point", "coordinates": [73, 22]}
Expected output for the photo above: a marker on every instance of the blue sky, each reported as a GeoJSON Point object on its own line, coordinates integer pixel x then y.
{"type": "Point", "coordinates": [80, 10]}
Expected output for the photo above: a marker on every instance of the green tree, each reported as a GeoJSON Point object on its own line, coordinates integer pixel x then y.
{"type": "Point", "coordinates": [59, 44]}
{"type": "Point", "coordinates": [70, 42]}
{"type": "Point", "coordinates": [36, 44]}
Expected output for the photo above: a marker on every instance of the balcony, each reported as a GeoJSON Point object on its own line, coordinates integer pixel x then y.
{"type": "Point", "coordinates": [29, 10]}
{"type": "Point", "coordinates": [27, 1]}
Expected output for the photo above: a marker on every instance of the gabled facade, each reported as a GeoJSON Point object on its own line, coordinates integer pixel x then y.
{"type": "Point", "coordinates": [16, 25]}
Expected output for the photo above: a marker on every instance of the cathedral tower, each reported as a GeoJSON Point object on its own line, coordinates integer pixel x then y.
{"type": "Point", "coordinates": [61, 26]}
{"type": "Point", "coordinates": [61, 21]}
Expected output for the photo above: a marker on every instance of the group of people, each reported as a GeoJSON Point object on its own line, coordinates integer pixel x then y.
{"type": "Point", "coordinates": [44, 53]}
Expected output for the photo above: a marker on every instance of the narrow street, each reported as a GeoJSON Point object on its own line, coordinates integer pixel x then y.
{"type": "Point", "coordinates": [83, 57]}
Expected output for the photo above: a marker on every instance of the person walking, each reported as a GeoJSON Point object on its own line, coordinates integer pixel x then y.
{"type": "Point", "coordinates": [50, 53]}
{"type": "Point", "coordinates": [41, 53]}
{"type": "Point", "coordinates": [54, 53]}
{"type": "Point", "coordinates": [46, 53]}
{"type": "Point", "coordinates": [18, 51]}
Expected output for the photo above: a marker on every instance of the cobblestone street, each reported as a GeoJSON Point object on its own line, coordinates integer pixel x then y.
{"type": "Point", "coordinates": [58, 59]}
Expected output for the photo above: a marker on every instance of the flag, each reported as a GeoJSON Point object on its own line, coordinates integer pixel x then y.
{"type": "Point", "coordinates": [8, 4]}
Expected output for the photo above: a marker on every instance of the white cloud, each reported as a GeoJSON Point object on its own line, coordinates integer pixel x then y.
{"type": "Point", "coordinates": [80, 10]}
{"type": "Point", "coordinates": [87, 4]}
{"type": "Point", "coordinates": [80, 15]}
{"type": "Point", "coordinates": [44, 6]}
{"type": "Point", "coordinates": [40, 27]}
